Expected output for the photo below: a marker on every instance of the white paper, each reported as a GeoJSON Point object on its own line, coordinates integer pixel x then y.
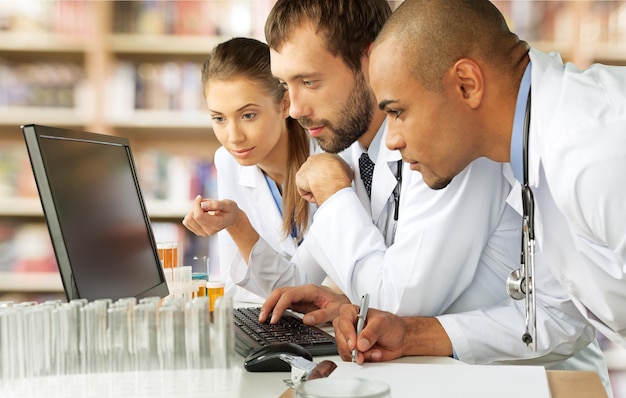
{"type": "Point", "coordinates": [467, 381]}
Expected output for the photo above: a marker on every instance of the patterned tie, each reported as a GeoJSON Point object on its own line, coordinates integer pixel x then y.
{"type": "Point", "coordinates": [366, 166]}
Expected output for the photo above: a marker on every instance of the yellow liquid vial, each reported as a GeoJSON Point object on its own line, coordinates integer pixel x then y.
{"type": "Point", "coordinates": [215, 290]}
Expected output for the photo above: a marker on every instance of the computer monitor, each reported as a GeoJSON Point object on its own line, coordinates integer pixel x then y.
{"type": "Point", "coordinates": [96, 216]}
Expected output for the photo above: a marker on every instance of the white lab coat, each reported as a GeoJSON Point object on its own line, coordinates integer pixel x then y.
{"type": "Point", "coordinates": [452, 253]}
{"type": "Point", "coordinates": [246, 185]}
{"type": "Point", "coordinates": [577, 171]}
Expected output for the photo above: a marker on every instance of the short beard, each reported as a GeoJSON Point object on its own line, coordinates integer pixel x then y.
{"type": "Point", "coordinates": [354, 119]}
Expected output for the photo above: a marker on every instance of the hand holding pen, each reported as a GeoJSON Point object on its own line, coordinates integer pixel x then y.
{"type": "Point", "coordinates": [363, 308]}
{"type": "Point", "coordinates": [388, 336]}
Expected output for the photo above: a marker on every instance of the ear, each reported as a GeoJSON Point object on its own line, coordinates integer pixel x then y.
{"type": "Point", "coordinates": [468, 81]}
{"type": "Point", "coordinates": [286, 103]}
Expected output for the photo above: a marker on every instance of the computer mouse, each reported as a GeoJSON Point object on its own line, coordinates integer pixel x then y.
{"type": "Point", "coordinates": [266, 359]}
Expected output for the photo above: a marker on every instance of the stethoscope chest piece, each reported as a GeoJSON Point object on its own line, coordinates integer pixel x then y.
{"type": "Point", "coordinates": [515, 284]}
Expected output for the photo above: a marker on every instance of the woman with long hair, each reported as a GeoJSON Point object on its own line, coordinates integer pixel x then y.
{"type": "Point", "coordinates": [259, 213]}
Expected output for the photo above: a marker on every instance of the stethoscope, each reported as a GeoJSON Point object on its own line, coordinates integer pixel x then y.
{"type": "Point", "coordinates": [396, 199]}
{"type": "Point", "coordinates": [521, 282]}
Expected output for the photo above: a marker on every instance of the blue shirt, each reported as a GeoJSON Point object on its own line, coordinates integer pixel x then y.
{"type": "Point", "coordinates": [279, 202]}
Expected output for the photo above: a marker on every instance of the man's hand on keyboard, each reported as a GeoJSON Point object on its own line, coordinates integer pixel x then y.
{"type": "Point", "coordinates": [319, 304]}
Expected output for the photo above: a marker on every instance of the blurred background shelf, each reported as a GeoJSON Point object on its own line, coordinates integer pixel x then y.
{"type": "Point", "coordinates": [158, 210]}
{"type": "Point", "coordinates": [162, 44]}
{"type": "Point", "coordinates": [20, 42]}
{"type": "Point", "coordinates": [31, 282]}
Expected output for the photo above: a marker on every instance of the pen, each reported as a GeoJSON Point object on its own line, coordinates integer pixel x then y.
{"type": "Point", "coordinates": [365, 301]}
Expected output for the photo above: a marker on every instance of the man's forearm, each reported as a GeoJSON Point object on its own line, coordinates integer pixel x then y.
{"type": "Point", "coordinates": [425, 336]}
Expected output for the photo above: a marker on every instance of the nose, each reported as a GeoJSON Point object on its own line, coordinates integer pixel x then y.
{"type": "Point", "coordinates": [235, 134]}
{"type": "Point", "coordinates": [297, 105]}
{"type": "Point", "coordinates": [395, 140]}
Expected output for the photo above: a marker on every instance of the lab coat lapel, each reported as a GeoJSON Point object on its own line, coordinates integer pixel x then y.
{"type": "Point", "coordinates": [384, 180]}
{"type": "Point", "coordinates": [515, 201]}
{"type": "Point", "coordinates": [383, 184]}
{"type": "Point", "coordinates": [269, 221]}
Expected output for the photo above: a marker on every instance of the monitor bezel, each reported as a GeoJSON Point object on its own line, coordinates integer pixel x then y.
{"type": "Point", "coordinates": [32, 134]}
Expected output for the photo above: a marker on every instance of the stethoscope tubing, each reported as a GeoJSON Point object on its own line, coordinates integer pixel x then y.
{"type": "Point", "coordinates": [521, 282]}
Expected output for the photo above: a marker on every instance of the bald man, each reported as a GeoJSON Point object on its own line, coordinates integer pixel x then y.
{"type": "Point", "coordinates": [460, 88]}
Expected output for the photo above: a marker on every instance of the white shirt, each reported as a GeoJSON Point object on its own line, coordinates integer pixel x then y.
{"type": "Point", "coordinates": [577, 171]}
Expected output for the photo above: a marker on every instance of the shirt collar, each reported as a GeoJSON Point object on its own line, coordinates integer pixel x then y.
{"type": "Point", "coordinates": [517, 135]}
{"type": "Point", "coordinates": [376, 143]}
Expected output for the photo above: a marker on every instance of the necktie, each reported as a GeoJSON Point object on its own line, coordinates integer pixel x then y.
{"type": "Point", "coordinates": [366, 166]}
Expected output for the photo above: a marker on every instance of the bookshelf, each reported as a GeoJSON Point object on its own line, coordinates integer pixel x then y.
{"type": "Point", "coordinates": [127, 68]}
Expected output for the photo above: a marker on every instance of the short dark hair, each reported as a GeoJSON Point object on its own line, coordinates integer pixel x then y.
{"type": "Point", "coordinates": [348, 27]}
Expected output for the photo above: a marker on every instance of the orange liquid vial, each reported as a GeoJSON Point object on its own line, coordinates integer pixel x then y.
{"type": "Point", "coordinates": [168, 254]}
{"type": "Point", "coordinates": [215, 290]}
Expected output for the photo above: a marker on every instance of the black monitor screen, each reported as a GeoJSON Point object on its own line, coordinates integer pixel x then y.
{"type": "Point", "coordinates": [95, 213]}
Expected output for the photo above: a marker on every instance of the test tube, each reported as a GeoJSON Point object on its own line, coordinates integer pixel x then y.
{"type": "Point", "coordinates": [224, 341]}
{"type": "Point", "coordinates": [51, 337]}
{"type": "Point", "coordinates": [67, 344]}
{"type": "Point", "coordinates": [101, 339]}
{"type": "Point", "coordinates": [37, 346]}
{"type": "Point", "coordinates": [84, 336]}
{"type": "Point", "coordinates": [7, 346]}
{"type": "Point", "coordinates": [172, 334]}
{"type": "Point", "coordinates": [20, 337]}
{"type": "Point", "coordinates": [146, 336]}
{"type": "Point", "coordinates": [197, 334]}
{"type": "Point", "coordinates": [192, 325]}
{"type": "Point", "coordinates": [93, 337]}
{"type": "Point", "coordinates": [186, 283]}
{"type": "Point", "coordinates": [118, 333]}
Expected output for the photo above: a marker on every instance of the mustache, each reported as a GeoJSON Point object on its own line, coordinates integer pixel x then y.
{"type": "Point", "coordinates": [308, 123]}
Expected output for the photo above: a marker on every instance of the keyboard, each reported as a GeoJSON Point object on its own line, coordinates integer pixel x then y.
{"type": "Point", "coordinates": [250, 334]}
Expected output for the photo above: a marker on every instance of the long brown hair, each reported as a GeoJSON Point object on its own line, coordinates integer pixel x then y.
{"type": "Point", "coordinates": [250, 59]}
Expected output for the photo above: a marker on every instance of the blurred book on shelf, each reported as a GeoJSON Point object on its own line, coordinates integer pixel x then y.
{"type": "Point", "coordinates": [163, 176]}
{"type": "Point", "coordinates": [171, 86]}
{"type": "Point", "coordinates": [25, 247]}
{"type": "Point", "coordinates": [567, 20]}
{"type": "Point", "coordinates": [71, 18]}
{"type": "Point", "coordinates": [180, 17]}
{"type": "Point", "coordinates": [16, 177]}
{"type": "Point", "coordinates": [40, 84]}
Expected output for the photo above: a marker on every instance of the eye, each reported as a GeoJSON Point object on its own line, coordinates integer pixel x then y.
{"type": "Point", "coordinates": [248, 116]}
{"type": "Point", "coordinates": [393, 113]}
{"type": "Point", "coordinates": [309, 83]}
{"type": "Point", "coordinates": [217, 119]}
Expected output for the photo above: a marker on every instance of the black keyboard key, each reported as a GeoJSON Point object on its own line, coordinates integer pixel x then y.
{"type": "Point", "coordinates": [250, 334]}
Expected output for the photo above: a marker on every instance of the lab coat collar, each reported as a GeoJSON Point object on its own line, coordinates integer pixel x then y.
{"type": "Point", "coordinates": [249, 176]}
{"type": "Point", "coordinates": [515, 201]}
{"type": "Point", "coordinates": [541, 62]}
{"type": "Point", "coordinates": [384, 179]}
